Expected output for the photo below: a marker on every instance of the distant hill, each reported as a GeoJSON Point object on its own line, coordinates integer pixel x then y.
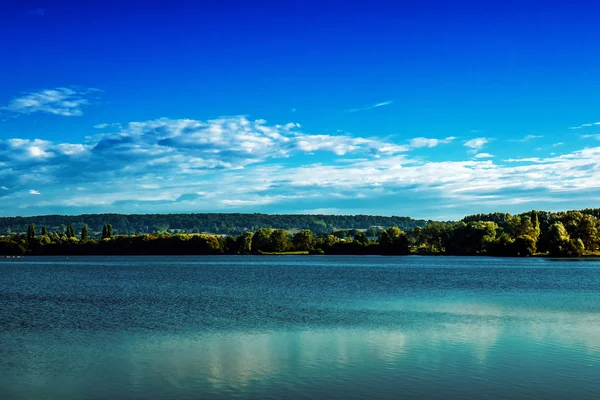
{"type": "Point", "coordinates": [218, 223]}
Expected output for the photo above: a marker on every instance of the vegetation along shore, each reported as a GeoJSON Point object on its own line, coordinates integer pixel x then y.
{"type": "Point", "coordinates": [561, 234]}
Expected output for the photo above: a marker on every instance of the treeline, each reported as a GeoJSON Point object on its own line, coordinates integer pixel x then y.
{"type": "Point", "coordinates": [227, 224]}
{"type": "Point", "coordinates": [566, 234]}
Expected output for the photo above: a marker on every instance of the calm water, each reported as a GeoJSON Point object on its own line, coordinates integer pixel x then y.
{"type": "Point", "coordinates": [299, 327]}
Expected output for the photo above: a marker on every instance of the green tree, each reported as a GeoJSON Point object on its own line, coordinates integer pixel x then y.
{"type": "Point", "coordinates": [31, 232]}
{"type": "Point", "coordinates": [330, 241]}
{"type": "Point", "coordinates": [245, 243]}
{"type": "Point", "coordinates": [472, 238]}
{"type": "Point", "coordinates": [70, 232]}
{"type": "Point", "coordinates": [535, 218]}
{"type": "Point", "coordinates": [84, 234]}
{"type": "Point", "coordinates": [303, 240]}
{"type": "Point", "coordinates": [278, 241]}
{"type": "Point", "coordinates": [260, 240]}
{"type": "Point", "coordinates": [361, 237]}
{"type": "Point", "coordinates": [393, 241]}
{"type": "Point", "coordinates": [44, 231]}
{"type": "Point", "coordinates": [109, 230]}
{"type": "Point", "coordinates": [104, 232]}
{"type": "Point", "coordinates": [525, 246]}
{"type": "Point", "coordinates": [433, 237]}
{"type": "Point", "coordinates": [574, 248]}
{"type": "Point", "coordinates": [561, 244]}
{"type": "Point", "coordinates": [502, 246]}
{"type": "Point", "coordinates": [588, 231]}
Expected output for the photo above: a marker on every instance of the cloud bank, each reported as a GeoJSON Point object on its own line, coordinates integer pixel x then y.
{"type": "Point", "coordinates": [238, 164]}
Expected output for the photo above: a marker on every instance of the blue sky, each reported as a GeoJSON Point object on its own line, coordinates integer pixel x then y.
{"type": "Point", "coordinates": [434, 110]}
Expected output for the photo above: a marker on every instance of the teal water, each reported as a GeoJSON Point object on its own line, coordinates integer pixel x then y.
{"type": "Point", "coordinates": [299, 327]}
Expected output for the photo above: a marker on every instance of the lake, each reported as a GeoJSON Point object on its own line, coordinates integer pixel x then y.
{"type": "Point", "coordinates": [299, 327]}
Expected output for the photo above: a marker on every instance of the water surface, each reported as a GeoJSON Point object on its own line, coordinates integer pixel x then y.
{"type": "Point", "coordinates": [301, 327]}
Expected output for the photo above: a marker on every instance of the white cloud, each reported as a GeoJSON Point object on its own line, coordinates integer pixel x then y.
{"type": "Point", "coordinates": [34, 192]}
{"type": "Point", "coordinates": [476, 144]}
{"type": "Point", "coordinates": [177, 149]}
{"type": "Point", "coordinates": [483, 155]}
{"type": "Point", "coordinates": [235, 163]}
{"type": "Point", "coordinates": [341, 145]}
{"type": "Point", "coordinates": [3, 188]}
{"type": "Point", "coordinates": [527, 138]}
{"type": "Point", "coordinates": [377, 105]}
{"type": "Point", "coordinates": [60, 101]}
{"type": "Point", "coordinates": [106, 125]}
{"type": "Point", "coordinates": [585, 125]}
{"type": "Point", "coordinates": [425, 142]}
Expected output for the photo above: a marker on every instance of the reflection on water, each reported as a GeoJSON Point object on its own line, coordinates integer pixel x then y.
{"type": "Point", "coordinates": [374, 332]}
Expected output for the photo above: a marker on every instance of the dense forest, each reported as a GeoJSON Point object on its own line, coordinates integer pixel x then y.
{"type": "Point", "coordinates": [564, 234]}
{"type": "Point", "coordinates": [225, 224]}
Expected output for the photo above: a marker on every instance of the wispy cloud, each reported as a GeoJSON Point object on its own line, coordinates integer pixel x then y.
{"type": "Point", "coordinates": [476, 144]}
{"type": "Point", "coordinates": [60, 101]}
{"type": "Point", "coordinates": [585, 125]}
{"type": "Point", "coordinates": [377, 105]}
{"type": "Point", "coordinates": [34, 192]}
{"type": "Point", "coordinates": [483, 155]}
{"type": "Point", "coordinates": [426, 142]}
{"type": "Point", "coordinates": [527, 138]}
{"type": "Point", "coordinates": [106, 125]}
{"type": "Point", "coordinates": [597, 137]}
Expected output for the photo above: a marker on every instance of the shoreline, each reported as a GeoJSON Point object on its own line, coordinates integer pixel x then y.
{"type": "Point", "coordinates": [303, 254]}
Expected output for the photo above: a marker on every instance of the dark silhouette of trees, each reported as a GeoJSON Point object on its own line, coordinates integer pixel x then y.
{"type": "Point", "coordinates": [31, 233]}
{"type": "Point", "coordinates": [303, 240]}
{"type": "Point", "coordinates": [84, 234]}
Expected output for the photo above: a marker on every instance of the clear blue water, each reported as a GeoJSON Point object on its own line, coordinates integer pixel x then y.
{"type": "Point", "coordinates": [299, 327]}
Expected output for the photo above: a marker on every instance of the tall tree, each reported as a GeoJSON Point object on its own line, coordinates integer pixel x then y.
{"type": "Point", "coordinates": [70, 232]}
{"type": "Point", "coordinates": [84, 234]}
{"type": "Point", "coordinates": [109, 230]}
{"type": "Point", "coordinates": [44, 231]}
{"type": "Point", "coordinates": [30, 232]}
{"type": "Point", "coordinates": [588, 230]}
{"type": "Point", "coordinates": [245, 243]}
{"type": "Point", "coordinates": [104, 232]}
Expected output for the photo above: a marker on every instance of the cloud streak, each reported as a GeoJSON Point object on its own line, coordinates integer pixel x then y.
{"type": "Point", "coordinates": [61, 101]}
{"type": "Point", "coordinates": [585, 125]}
{"type": "Point", "coordinates": [377, 105]}
{"type": "Point", "coordinates": [425, 142]}
{"type": "Point", "coordinates": [528, 138]}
